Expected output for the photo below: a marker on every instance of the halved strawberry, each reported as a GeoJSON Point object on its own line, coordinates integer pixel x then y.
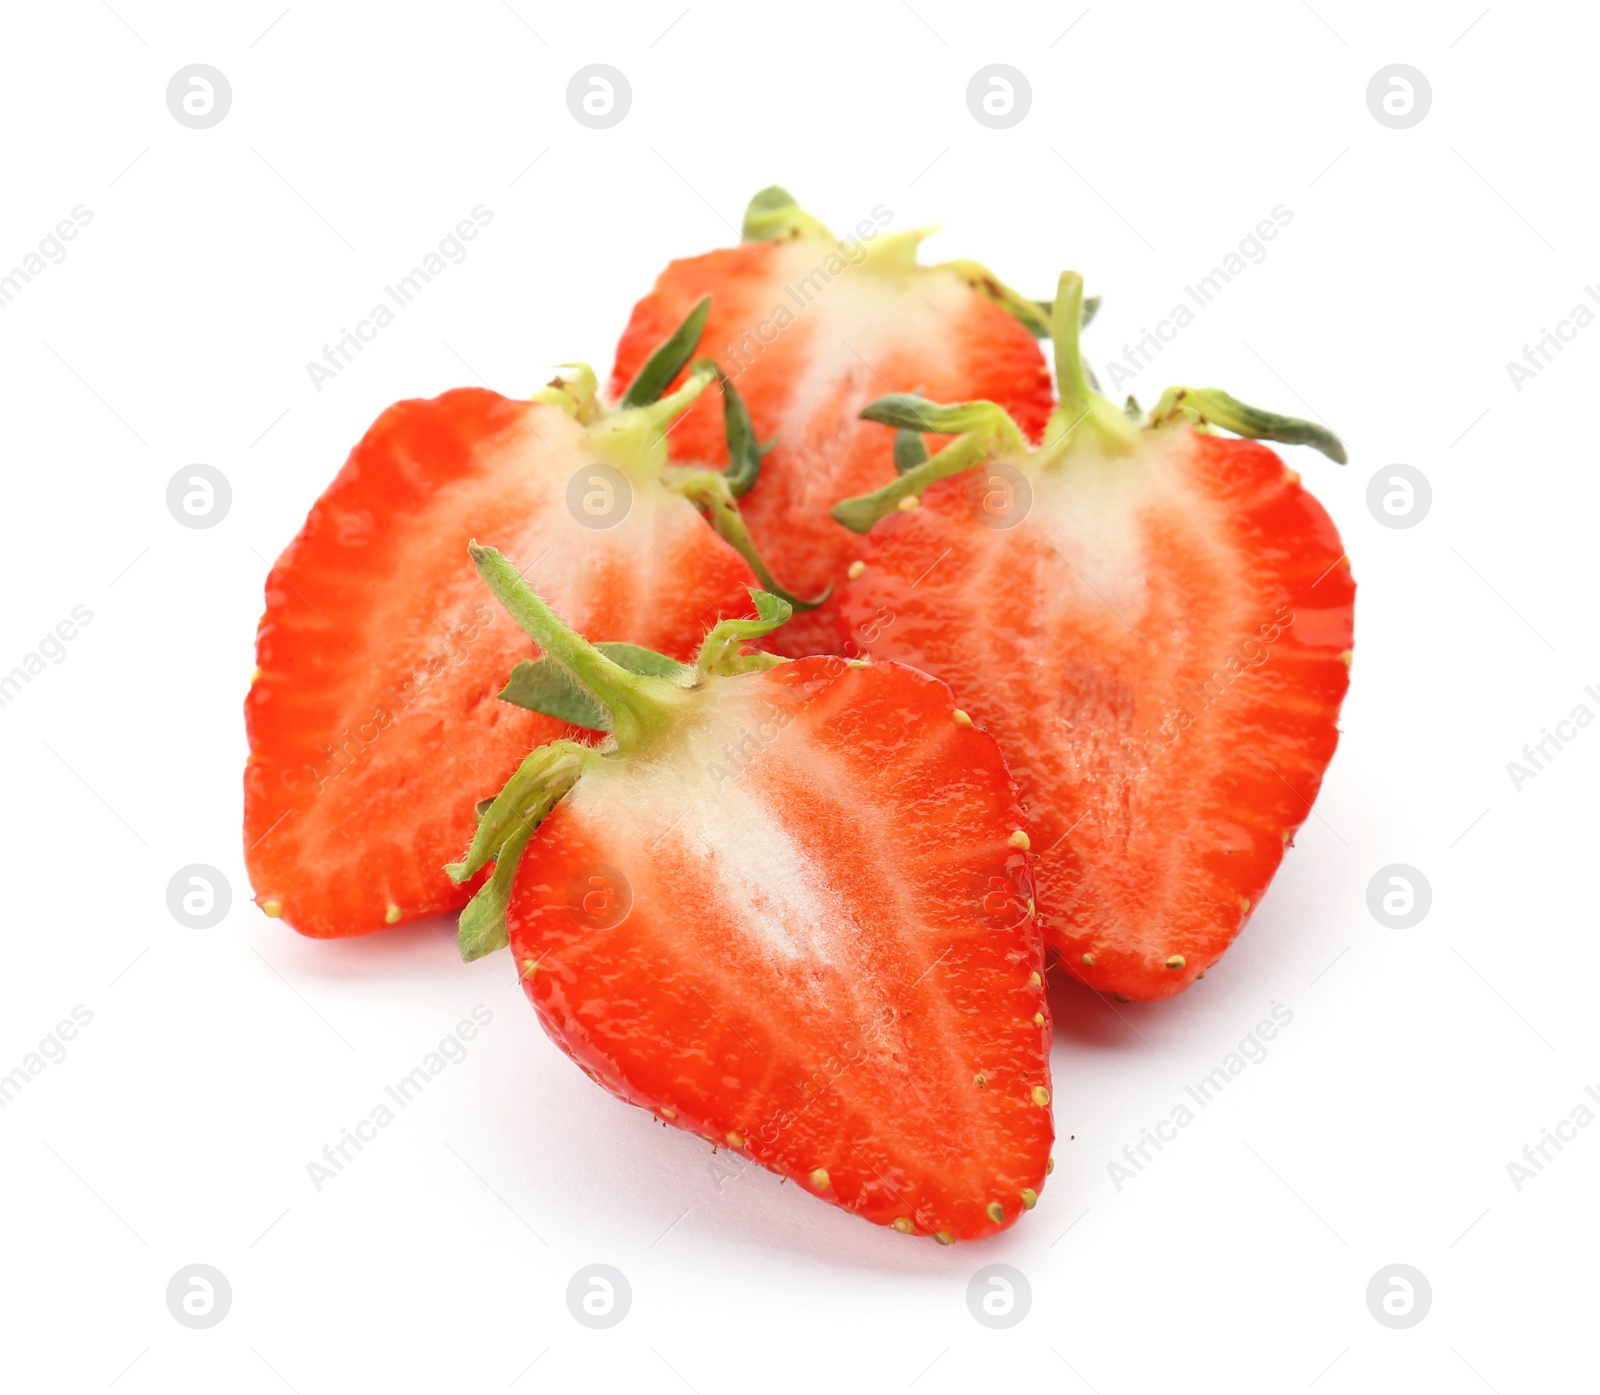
{"type": "Point", "coordinates": [813, 328]}
{"type": "Point", "coordinates": [784, 907]}
{"type": "Point", "coordinates": [373, 718]}
{"type": "Point", "coordinates": [1155, 622]}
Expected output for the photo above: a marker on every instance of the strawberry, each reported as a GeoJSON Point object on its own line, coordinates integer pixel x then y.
{"type": "Point", "coordinates": [1153, 620]}
{"type": "Point", "coordinates": [784, 906]}
{"type": "Point", "coordinates": [813, 328]}
{"type": "Point", "coordinates": [372, 715]}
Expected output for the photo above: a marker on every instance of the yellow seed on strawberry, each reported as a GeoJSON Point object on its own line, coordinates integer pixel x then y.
{"type": "Point", "coordinates": [908, 503]}
{"type": "Point", "coordinates": [1088, 960]}
{"type": "Point", "coordinates": [960, 718]}
{"type": "Point", "coordinates": [734, 1141]}
{"type": "Point", "coordinates": [820, 1179]}
{"type": "Point", "coordinates": [902, 1224]}
{"type": "Point", "coordinates": [273, 908]}
{"type": "Point", "coordinates": [1176, 961]}
{"type": "Point", "coordinates": [1019, 839]}
{"type": "Point", "coordinates": [1030, 1198]}
{"type": "Point", "coordinates": [995, 1211]}
{"type": "Point", "coordinates": [1041, 1096]}
{"type": "Point", "coordinates": [855, 569]}
{"type": "Point", "coordinates": [944, 1237]}
{"type": "Point", "coordinates": [391, 914]}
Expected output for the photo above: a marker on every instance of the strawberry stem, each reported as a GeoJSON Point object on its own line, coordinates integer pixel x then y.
{"type": "Point", "coordinates": [711, 492]}
{"type": "Point", "coordinates": [641, 705]}
{"type": "Point", "coordinates": [1080, 404]}
{"type": "Point", "coordinates": [983, 431]}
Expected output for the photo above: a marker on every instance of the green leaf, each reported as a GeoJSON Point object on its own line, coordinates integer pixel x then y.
{"type": "Point", "coordinates": [912, 413]}
{"type": "Point", "coordinates": [1219, 408]}
{"type": "Point", "coordinates": [482, 927]}
{"type": "Point", "coordinates": [542, 685]}
{"type": "Point", "coordinates": [984, 432]}
{"type": "Point", "coordinates": [637, 659]}
{"type": "Point", "coordinates": [532, 791]}
{"type": "Point", "coordinates": [774, 216]}
{"type": "Point", "coordinates": [744, 451]}
{"type": "Point", "coordinates": [662, 366]}
{"type": "Point", "coordinates": [909, 450]}
{"type": "Point", "coordinates": [720, 651]}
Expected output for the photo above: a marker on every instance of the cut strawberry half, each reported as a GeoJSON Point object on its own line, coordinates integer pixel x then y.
{"type": "Point", "coordinates": [812, 328]}
{"type": "Point", "coordinates": [372, 717]}
{"type": "Point", "coordinates": [1153, 620]}
{"type": "Point", "coordinates": [784, 906]}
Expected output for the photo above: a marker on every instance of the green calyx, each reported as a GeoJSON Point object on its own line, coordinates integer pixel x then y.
{"type": "Point", "coordinates": [511, 819]}
{"type": "Point", "coordinates": [712, 492]}
{"type": "Point", "coordinates": [631, 692]}
{"type": "Point", "coordinates": [982, 432]}
{"type": "Point", "coordinates": [641, 705]}
{"type": "Point", "coordinates": [722, 653]}
{"type": "Point", "coordinates": [542, 685]}
{"type": "Point", "coordinates": [1083, 421]}
{"type": "Point", "coordinates": [774, 216]}
{"type": "Point", "coordinates": [578, 395]}
{"type": "Point", "coordinates": [1205, 407]}
{"type": "Point", "coordinates": [671, 354]}
{"type": "Point", "coordinates": [633, 437]}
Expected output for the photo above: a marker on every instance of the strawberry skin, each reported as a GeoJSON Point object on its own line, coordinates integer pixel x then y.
{"type": "Point", "coordinates": [373, 719]}
{"type": "Point", "coordinates": [1161, 647]}
{"type": "Point", "coordinates": [811, 336]}
{"type": "Point", "coordinates": [828, 963]}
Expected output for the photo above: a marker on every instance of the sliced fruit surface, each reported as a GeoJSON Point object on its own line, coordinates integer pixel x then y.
{"type": "Point", "coordinates": [1156, 626]}
{"type": "Point", "coordinates": [812, 328]}
{"type": "Point", "coordinates": [787, 907]}
{"type": "Point", "coordinates": [373, 719]}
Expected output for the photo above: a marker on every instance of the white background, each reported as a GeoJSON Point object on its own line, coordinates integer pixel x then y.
{"type": "Point", "coordinates": [219, 1062]}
